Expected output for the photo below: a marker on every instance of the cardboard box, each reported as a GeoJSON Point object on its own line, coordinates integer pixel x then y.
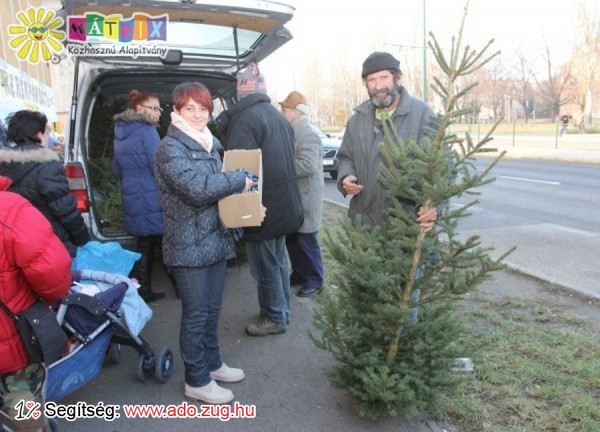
{"type": "Point", "coordinates": [242, 210]}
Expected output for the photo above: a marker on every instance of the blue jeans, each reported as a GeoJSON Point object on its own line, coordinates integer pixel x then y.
{"type": "Point", "coordinates": [305, 258]}
{"type": "Point", "coordinates": [269, 268]}
{"type": "Point", "coordinates": [201, 292]}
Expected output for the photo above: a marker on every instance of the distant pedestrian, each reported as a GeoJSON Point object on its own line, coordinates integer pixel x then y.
{"type": "Point", "coordinates": [303, 246]}
{"type": "Point", "coordinates": [565, 123]}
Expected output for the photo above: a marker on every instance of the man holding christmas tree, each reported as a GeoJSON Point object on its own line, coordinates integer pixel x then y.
{"type": "Point", "coordinates": [359, 156]}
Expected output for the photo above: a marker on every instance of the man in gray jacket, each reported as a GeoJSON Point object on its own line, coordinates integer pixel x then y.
{"type": "Point", "coordinates": [303, 246]}
{"type": "Point", "coordinates": [359, 156]}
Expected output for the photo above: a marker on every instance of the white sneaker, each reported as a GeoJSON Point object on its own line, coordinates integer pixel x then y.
{"type": "Point", "coordinates": [210, 393]}
{"type": "Point", "coordinates": [228, 374]}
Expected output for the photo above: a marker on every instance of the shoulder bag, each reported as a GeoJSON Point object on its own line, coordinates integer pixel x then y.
{"type": "Point", "coordinates": [43, 338]}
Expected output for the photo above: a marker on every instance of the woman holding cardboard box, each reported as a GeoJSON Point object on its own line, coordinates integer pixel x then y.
{"type": "Point", "coordinates": [196, 245]}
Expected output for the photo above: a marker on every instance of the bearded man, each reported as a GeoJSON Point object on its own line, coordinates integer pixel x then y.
{"type": "Point", "coordinates": [359, 157]}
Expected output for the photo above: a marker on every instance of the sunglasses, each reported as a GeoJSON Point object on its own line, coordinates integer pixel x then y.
{"type": "Point", "coordinates": [155, 109]}
{"type": "Point", "coordinates": [38, 29]}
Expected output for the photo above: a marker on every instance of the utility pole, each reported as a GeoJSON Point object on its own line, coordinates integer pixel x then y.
{"type": "Point", "coordinates": [424, 54]}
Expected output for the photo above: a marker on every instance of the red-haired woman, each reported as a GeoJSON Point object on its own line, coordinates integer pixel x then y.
{"type": "Point", "coordinates": [196, 245]}
{"type": "Point", "coordinates": [136, 141]}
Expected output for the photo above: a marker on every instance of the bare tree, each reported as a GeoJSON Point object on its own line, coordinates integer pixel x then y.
{"type": "Point", "coordinates": [585, 61]}
{"type": "Point", "coordinates": [522, 88]}
{"type": "Point", "coordinates": [311, 85]}
{"type": "Point", "coordinates": [493, 86]}
{"type": "Point", "coordinates": [554, 84]}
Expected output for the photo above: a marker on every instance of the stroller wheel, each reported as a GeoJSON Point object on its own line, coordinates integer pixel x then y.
{"type": "Point", "coordinates": [143, 372]}
{"type": "Point", "coordinates": [115, 353]}
{"type": "Point", "coordinates": [164, 365]}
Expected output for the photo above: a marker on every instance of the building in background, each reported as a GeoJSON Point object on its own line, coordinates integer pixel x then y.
{"type": "Point", "coordinates": [24, 85]}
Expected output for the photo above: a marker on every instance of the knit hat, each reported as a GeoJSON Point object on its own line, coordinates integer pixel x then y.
{"type": "Point", "coordinates": [250, 81]}
{"type": "Point", "coordinates": [379, 61]}
{"type": "Point", "coordinates": [296, 100]}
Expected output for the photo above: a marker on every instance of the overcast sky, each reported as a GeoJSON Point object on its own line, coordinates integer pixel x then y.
{"type": "Point", "coordinates": [325, 28]}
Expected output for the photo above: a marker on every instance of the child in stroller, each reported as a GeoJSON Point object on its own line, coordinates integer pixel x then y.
{"type": "Point", "coordinates": [103, 312]}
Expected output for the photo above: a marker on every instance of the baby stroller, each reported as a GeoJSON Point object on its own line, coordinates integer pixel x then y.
{"type": "Point", "coordinates": [100, 324]}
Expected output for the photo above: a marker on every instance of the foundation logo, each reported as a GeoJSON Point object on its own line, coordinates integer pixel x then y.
{"type": "Point", "coordinates": [95, 34]}
{"type": "Point", "coordinates": [114, 28]}
{"type": "Point", "coordinates": [37, 37]}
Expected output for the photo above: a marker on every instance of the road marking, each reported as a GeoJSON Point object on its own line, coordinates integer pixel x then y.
{"type": "Point", "coordinates": [577, 231]}
{"type": "Point", "coordinates": [530, 180]}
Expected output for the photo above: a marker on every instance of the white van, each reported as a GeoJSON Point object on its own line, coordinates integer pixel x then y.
{"type": "Point", "coordinates": [207, 43]}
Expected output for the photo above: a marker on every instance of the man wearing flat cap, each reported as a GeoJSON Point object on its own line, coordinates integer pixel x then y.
{"type": "Point", "coordinates": [303, 246]}
{"type": "Point", "coordinates": [359, 156]}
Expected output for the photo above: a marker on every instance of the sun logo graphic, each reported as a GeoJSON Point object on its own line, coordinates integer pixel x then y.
{"type": "Point", "coordinates": [36, 37]}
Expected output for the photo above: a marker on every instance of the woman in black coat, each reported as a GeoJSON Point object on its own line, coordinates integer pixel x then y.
{"type": "Point", "coordinates": [38, 175]}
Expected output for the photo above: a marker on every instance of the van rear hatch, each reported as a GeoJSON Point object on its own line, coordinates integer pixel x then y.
{"type": "Point", "coordinates": [220, 35]}
{"type": "Point", "coordinates": [207, 42]}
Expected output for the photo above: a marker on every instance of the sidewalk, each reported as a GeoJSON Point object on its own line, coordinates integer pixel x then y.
{"type": "Point", "coordinates": [568, 148]}
{"type": "Point", "coordinates": [285, 375]}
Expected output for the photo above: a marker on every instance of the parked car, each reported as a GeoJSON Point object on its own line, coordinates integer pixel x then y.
{"type": "Point", "coordinates": [208, 42]}
{"type": "Point", "coordinates": [330, 149]}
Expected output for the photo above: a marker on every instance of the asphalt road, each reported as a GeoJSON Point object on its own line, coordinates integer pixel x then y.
{"type": "Point", "coordinates": [547, 209]}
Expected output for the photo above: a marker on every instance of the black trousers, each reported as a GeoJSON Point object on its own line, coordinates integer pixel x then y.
{"type": "Point", "coordinates": [150, 247]}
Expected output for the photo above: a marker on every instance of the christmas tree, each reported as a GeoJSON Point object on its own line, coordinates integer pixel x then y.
{"type": "Point", "coordinates": [390, 317]}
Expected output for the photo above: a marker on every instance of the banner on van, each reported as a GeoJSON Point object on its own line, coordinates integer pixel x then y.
{"type": "Point", "coordinates": [98, 35]}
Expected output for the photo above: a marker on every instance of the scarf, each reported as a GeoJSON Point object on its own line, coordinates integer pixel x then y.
{"type": "Point", "coordinates": [203, 137]}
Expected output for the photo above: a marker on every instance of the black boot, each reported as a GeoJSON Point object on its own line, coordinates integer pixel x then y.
{"type": "Point", "coordinates": [150, 296]}
{"type": "Point", "coordinates": [143, 269]}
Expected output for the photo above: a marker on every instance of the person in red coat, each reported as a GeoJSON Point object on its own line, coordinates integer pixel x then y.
{"type": "Point", "coordinates": [34, 263]}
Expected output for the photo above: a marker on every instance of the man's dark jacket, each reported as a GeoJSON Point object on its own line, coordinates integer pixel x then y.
{"type": "Point", "coordinates": [253, 123]}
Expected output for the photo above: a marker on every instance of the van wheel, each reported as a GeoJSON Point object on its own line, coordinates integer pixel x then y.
{"type": "Point", "coordinates": [333, 174]}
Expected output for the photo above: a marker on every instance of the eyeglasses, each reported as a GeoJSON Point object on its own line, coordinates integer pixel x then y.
{"type": "Point", "coordinates": [38, 29]}
{"type": "Point", "coordinates": [155, 109]}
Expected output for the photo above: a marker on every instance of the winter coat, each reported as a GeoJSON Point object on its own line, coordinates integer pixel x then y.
{"type": "Point", "coordinates": [359, 153]}
{"type": "Point", "coordinates": [38, 175]}
{"type": "Point", "coordinates": [253, 123]}
{"type": "Point", "coordinates": [33, 263]}
{"type": "Point", "coordinates": [309, 173]}
{"type": "Point", "coordinates": [136, 141]}
{"type": "Point", "coordinates": [3, 139]}
{"type": "Point", "coordinates": [190, 182]}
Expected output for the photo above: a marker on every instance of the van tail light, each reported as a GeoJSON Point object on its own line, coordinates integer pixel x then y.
{"type": "Point", "coordinates": [75, 177]}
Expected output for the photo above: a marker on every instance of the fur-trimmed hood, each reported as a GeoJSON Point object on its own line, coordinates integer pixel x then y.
{"type": "Point", "coordinates": [131, 115]}
{"type": "Point", "coordinates": [18, 161]}
{"type": "Point", "coordinates": [27, 153]}
{"type": "Point", "coordinates": [129, 121]}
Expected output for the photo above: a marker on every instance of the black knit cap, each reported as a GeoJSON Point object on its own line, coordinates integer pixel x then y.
{"type": "Point", "coordinates": [379, 61]}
